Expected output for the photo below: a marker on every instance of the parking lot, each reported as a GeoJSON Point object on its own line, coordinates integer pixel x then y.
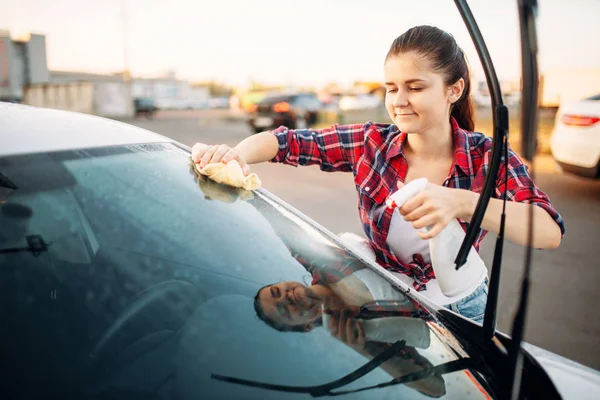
{"type": "Point", "coordinates": [564, 289]}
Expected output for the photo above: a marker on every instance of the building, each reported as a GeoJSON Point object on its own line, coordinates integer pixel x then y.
{"type": "Point", "coordinates": [25, 78]}
{"type": "Point", "coordinates": [106, 95]}
{"type": "Point", "coordinates": [168, 92]}
{"type": "Point", "coordinates": [22, 62]}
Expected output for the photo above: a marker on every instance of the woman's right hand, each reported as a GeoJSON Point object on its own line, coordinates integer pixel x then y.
{"type": "Point", "coordinates": [204, 154]}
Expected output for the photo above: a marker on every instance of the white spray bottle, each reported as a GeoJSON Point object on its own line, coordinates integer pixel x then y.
{"type": "Point", "coordinates": [444, 248]}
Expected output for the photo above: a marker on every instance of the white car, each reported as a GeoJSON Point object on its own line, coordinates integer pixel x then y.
{"type": "Point", "coordinates": [575, 141]}
{"type": "Point", "coordinates": [359, 102]}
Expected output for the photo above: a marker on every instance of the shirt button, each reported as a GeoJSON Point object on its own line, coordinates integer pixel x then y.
{"type": "Point", "coordinates": [367, 188]}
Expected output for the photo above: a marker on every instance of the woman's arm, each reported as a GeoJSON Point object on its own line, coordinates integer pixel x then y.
{"type": "Point", "coordinates": [546, 232]}
{"type": "Point", "coordinates": [258, 148]}
{"type": "Point", "coordinates": [337, 148]}
{"type": "Point", "coordinates": [255, 149]}
{"type": "Point", "coordinates": [437, 205]}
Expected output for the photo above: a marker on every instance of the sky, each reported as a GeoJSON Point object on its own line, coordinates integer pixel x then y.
{"type": "Point", "coordinates": [308, 42]}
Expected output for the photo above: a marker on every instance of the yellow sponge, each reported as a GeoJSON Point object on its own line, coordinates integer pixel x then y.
{"type": "Point", "coordinates": [230, 174]}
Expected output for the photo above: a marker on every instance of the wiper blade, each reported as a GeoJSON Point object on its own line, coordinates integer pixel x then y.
{"type": "Point", "coordinates": [35, 245]}
{"type": "Point", "coordinates": [442, 369]}
{"type": "Point", "coordinates": [500, 122]}
{"type": "Point", "coordinates": [7, 183]}
{"type": "Point", "coordinates": [500, 143]}
{"type": "Point", "coordinates": [529, 111]}
{"type": "Point", "coordinates": [325, 389]}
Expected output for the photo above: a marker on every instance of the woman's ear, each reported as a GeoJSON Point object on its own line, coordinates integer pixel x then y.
{"type": "Point", "coordinates": [456, 90]}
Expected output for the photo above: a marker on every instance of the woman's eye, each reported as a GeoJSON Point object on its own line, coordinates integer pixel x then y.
{"type": "Point", "coordinates": [415, 89]}
{"type": "Point", "coordinates": [392, 90]}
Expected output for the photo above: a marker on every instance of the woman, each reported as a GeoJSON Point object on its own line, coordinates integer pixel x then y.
{"type": "Point", "coordinates": [427, 97]}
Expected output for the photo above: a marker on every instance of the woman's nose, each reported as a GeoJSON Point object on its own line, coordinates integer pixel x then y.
{"type": "Point", "coordinates": [401, 100]}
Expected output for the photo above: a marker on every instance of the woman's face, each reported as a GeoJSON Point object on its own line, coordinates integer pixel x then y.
{"type": "Point", "coordinates": [417, 99]}
{"type": "Point", "coordinates": [290, 303]}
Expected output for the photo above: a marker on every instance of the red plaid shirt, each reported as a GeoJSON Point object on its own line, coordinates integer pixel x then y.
{"type": "Point", "coordinates": [327, 272]}
{"type": "Point", "coordinates": [373, 153]}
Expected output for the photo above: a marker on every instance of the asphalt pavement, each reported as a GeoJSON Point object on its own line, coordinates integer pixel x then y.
{"type": "Point", "coordinates": [564, 289]}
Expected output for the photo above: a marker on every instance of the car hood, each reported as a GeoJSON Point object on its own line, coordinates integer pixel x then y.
{"type": "Point", "coordinates": [573, 380]}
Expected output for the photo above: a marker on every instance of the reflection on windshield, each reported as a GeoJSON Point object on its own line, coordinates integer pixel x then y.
{"type": "Point", "coordinates": [154, 278]}
{"type": "Point", "coordinates": [351, 301]}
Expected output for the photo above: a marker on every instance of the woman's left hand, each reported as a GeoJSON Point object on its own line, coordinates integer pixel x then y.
{"type": "Point", "coordinates": [436, 206]}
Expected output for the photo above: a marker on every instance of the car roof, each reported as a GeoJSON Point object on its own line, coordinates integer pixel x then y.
{"type": "Point", "coordinates": [25, 129]}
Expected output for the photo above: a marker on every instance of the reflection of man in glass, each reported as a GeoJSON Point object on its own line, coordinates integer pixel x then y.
{"type": "Point", "coordinates": [293, 306]}
{"type": "Point", "coordinates": [337, 289]}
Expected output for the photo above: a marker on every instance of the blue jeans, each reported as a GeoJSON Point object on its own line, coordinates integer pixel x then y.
{"type": "Point", "coordinates": [472, 306]}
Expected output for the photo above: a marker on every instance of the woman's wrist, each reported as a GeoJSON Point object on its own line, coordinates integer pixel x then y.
{"type": "Point", "coordinates": [468, 203]}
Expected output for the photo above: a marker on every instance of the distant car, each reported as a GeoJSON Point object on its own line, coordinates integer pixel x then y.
{"type": "Point", "coordinates": [575, 141]}
{"type": "Point", "coordinates": [359, 102]}
{"type": "Point", "coordinates": [296, 111]}
{"type": "Point", "coordinates": [144, 106]}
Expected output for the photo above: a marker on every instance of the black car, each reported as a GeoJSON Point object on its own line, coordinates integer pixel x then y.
{"type": "Point", "coordinates": [296, 111]}
{"type": "Point", "coordinates": [144, 106]}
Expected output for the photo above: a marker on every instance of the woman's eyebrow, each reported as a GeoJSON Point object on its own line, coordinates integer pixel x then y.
{"type": "Point", "coordinates": [409, 81]}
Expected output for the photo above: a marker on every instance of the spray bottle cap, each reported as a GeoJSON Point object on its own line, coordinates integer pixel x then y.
{"type": "Point", "coordinates": [411, 189]}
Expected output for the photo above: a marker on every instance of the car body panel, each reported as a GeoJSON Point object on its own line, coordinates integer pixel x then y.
{"type": "Point", "coordinates": [20, 128]}
{"type": "Point", "coordinates": [573, 380]}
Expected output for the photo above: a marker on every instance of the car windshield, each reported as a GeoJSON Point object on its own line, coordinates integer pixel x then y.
{"type": "Point", "coordinates": [123, 274]}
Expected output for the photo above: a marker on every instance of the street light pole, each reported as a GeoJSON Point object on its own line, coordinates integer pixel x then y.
{"type": "Point", "coordinates": [124, 25]}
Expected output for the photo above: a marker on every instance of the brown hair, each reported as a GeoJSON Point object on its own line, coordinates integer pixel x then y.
{"type": "Point", "coordinates": [442, 51]}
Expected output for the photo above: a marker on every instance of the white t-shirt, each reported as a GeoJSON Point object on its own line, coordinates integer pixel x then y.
{"type": "Point", "coordinates": [404, 242]}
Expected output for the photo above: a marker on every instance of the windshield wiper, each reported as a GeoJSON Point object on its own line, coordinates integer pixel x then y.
{"type": "Point", "coordinates": [499, 146]}
{"type": "Point", "coordinates": [442, 369]}
{"type": "Point", "coordinates": [529, 120]}
{"type": "Point", "coordinates": [35, 245]}
{"type": "Point", "coordinates": [327, 388]}
{"type": "Point", "coordinates": [7, 183]}
{"type": "Point", "coordinates": [529, 110]}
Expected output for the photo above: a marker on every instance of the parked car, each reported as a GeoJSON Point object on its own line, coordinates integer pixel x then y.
{"type": "Point", "coordinates": [296, 111]}
{"type": "Point", "coordinates": [575, 140]}
{"type": "Point", "coordinates": [144, 106]}
{"type": "Point", "coordinates": [124, 274]}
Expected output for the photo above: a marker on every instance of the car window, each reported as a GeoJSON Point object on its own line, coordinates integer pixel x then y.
{"type": "Point", "coordinates": [307, 101]}
{"type": "Point", "coordinates": [123, 271]}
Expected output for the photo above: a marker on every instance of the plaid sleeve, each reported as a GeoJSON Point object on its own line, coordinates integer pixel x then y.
{"type": "Point", "coordinates": [521, 188]}
{"type": "Point", "coordinates": [337, 148]}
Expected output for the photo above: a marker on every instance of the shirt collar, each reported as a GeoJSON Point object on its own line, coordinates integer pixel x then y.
{"type": "Point", "coordinates": [462, 148]}
{"type": "Point", "coordinates": [462, 151]}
